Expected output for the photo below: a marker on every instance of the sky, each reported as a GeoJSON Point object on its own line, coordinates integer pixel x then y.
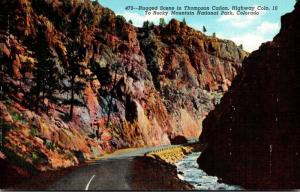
{"type": "Point", "coordinates": [250, 31]}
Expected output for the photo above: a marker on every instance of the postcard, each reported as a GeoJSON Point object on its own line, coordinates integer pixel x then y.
{"type": "Point", "coordinates": [149, 95]}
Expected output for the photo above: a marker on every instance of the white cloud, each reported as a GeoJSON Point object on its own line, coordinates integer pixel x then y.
{"type": "Point", "coordinates": [267, 27]}
{"type": "Point", "coordinates": [252, 40]}
{"type": "Point", "coordinates": [255, 30]}
{"type": "Point", "coordinates": [138, 19]}
{"type": "Point", "coordinates": [241, 21]}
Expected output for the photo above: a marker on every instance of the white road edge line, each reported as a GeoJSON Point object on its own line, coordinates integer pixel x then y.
{"type": "Point", "coordinates": [88, 184]}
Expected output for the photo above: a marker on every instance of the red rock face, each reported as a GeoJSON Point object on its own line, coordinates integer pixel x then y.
{"type": "Point", "coordinates": [138, 87]}
{"type": "Point", "coordinates": [189, 69]}
{"type": "Point", "coordinates": [253, 136]}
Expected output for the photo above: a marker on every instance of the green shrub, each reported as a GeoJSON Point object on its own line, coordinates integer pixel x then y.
{"type": "Point", "coordinates": [50, 145]}
{"type": "Point", "coordinates": [18, 117]}
{"type": "Point", "coordinates": [34, 131]}
{"type": "Point", "coordinates": [38, 158]}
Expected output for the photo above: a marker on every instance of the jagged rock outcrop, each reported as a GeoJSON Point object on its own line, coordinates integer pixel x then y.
{"type": "Point", "coordinates": [253, 136]}
{"type": "Point", "coordinates": [190, 70]}
{"type": "Point", "coordinates": [78, 81]}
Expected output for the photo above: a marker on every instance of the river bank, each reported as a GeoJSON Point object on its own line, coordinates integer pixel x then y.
{"type": "Point", "coordinates": [182, 162]}
{"type": "Point", "coordinates": [189, 171]}
{"type": "Point", "coordinates": [158, 169]}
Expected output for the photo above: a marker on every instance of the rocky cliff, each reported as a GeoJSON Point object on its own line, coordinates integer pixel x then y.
{"type": "Point", "coordinates": [77, 81]}
{"type": "Point", "coordinates": [253, 136]}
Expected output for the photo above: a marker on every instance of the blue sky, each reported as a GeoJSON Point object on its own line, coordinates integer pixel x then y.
{"type": "Point", "coordinates": [250, 31]}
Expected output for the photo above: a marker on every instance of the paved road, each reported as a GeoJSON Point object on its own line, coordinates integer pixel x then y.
{"type": "Point", "coordinates": [111, 172]}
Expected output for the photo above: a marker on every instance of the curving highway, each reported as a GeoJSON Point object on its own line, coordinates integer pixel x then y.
{"type": "Point", "coordinates": [110, 172]}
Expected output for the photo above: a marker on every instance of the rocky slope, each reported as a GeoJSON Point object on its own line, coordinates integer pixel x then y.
{"type": "Point", "coordinates": [78, 81]}
{"type": "Point", "coordinates": [253, 136]}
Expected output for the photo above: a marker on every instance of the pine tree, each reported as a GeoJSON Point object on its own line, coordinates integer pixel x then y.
{"type": "Point", "coordinates": [115, 68]}
{"type": "Point", "coordinates": [130, 21]}
{"type": "Point", "coordinates": [214, 35]}
{"type": "Point", "coordinates": [241, 46]}
{"type": "Point", "coordinates": [45, 72]}
{"type": "Point", "coordinates": [120, 22]}
{"type": "Point", "coordinates": [107, 76]}
{"type": "Point", "coordinates": [104, 22]}
{"type": "Point", "coordinates": [162, 22]}
{"type": "Point", "coordinates": [74, 71]}
{"type": "Point", "coordinates": [146, 25]}
{"type": "Point", "coordinates": [204, 29]}
{"type": "Point", "coordinates": [184, 21]}
{"type": "Point", "coordinates": [151, 25]}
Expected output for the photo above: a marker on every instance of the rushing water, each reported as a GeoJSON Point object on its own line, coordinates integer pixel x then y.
{"type": "Point", "coordinates": [197, 177]}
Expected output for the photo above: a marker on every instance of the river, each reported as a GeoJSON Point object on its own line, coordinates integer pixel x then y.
{"type": "Point", "coordinates": [188, 171]}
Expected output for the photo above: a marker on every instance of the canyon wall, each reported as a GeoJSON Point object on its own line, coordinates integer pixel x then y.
{"type": "Point", "coordinates": [253, 136]}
